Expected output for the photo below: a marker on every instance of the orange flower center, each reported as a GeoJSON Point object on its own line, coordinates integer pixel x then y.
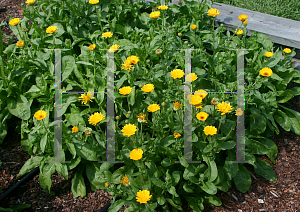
{"type": "Point", "coordinates": [266, 73]}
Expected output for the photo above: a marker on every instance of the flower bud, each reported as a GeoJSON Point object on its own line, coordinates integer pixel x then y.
{"type": "Point", "coordinates": [164, 91]}
{"type": "Point", "coordinates": [158, 51]}
{"type": "Point", "coordinates": [167, 178]}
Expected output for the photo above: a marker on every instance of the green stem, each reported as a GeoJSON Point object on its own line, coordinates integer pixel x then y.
{"type": "Point", "coordinates": [46, 127]}
{"type": "Point", "coordinates": [2, 73]}
{"type": "Point", "coordinates": [128, 103]}
{"type": "Point", "coordinates": [133, 141]}
{"type": "Point", "coordinates": [220, 124]}
{"type": "Point", "coordinates": [141, 133]}
{"type": "Point", "coordinates": [153, 124]}
{"type": "Point", "coordinates": [94, 69]}
{"type": "Point", "coordinates": [179, 117]}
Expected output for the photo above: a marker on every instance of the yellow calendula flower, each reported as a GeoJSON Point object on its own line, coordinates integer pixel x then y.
{"type": "Point", "coordinates": [129, 130]}
{"type": "Point", "coordinates": [96, 118]}
{"type": "Point", "coordinates": [14, 21]}
{"type": "Point", "coordinates": [224, 108]}
{"type": "Point", "coordinates": [94, 1]}
{"type": "Point", "coordinates": [201, 93]}
{"type": "Point", "coordinates": [266, 72]}
{"type": "Point", "coordinates": [127, 66]}
{"type": "Point", "coordinates": [199, 107]}
{"type": "Point", "coordinates": [287, 50]}
{"type": "Point", "coordinates": [245, 22]}
{"type": "Point", "coordinates": [179, 33]}
{"type": "Point", "coordinates": [143, 196]}
{"type": "Point", "coordinates": [239, 112]}
{"type": "Point", "coordinates": [30, 2]}
{"type": "Point", "coordinates": [269, 54]}
{"type": "Point", "coordinates": [243, 17]}
{"type": "Point", "coordinates": [92, 47]}
{"type": "Point", "coordinates": [106, 185]}
{"type": "Point", "coordinates": [107, 35]}
{"type": "Point", "coordinates": [202, 116]}
{"type": "Point", "coordinates": [177, 135]}
{"type": "Point", "coordinates": [195, 99]}
{"type": "Point", "coordinates": [41, 114]}
{"type": "Point", "coordinates": [133, 59]}
{"type": "Point", "coordinates": [191, 77]}
{"type": "Point", "coordinates": [148, 38]}
{"type": "Point", "coordinates": [153, 108]}
{"type": "Point", "coordinates": [163, 7]}
{"type": "Point", "coordinates": [51, 29]}
{"type": "Point", "coordinates": [148, 88]}
{"type": "Point", "coordinates": [177, 106]}
{"type": "Point", "coordinates": [85, 98]}
{"type": "Point", "coordinates": [210, 130]}
{"type": "Point", "coordinates": [155, 14]}
{"type": "Point", "coordinates": [125, 90]}
{"type": "Point", "coordinates": [213, 12]}
{"type": "Point", "coordinates": [239, 32]}
{"type": "Point", "coordinates": [20, 44]}
{"type": "Point", "coordinates": [193, 26]}
{"type": "Point", "coordinates": [114, 48]}
{"type": "Point", "coordinates": [125, 181]}
{"type": "Point", "coordinates": [75, 129]}
{"type": "Point", "coordinates": [141, 118]}
{"type": "Point", "coordinates": [177, 73]}
{"type": "Point", "coordinates": [170, 26]}
{"type": "Point", "coordinates": [136, 154]}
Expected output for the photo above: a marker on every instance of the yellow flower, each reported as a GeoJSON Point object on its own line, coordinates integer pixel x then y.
{"type": "Point", "coordinates": [202, 116]}
{"type": "Point", "coordinates": [177, 106]}
{"type": "Point", "coordinates": [195, 99]}
{"type": "Point", "coordinates": [153, 108]}
{"type": "Point", "coordinates": [266, 72]}
{"type": "Point", "coordinates": [14, 21]}
{"type": "Point", "coordinates": [191, 77]}
{"type": "Point", "coordinates": [75, 129]}
{"type": "Point", "coordinates": [148, 88]}
{"type": "Point", "coordinates": [239, 32]}
{"type": "Point", "coordinates": [224, 108]}
{"type": "Point", "coordinates": [245, 22]}
{"type": "Point", "coordinates": [30, 2]}
{"type": "Point", "coordinates": [214, 101]}
{"type": "Point", "coordinates": [127, 115]}
{"type": "Point", "coordinates": [158, 51]}
{"type": "Point", "coordinates": [239, 112]}
{"type": "Point", "coordinates": [199, 107]}
{"type": "Point", "coordinates": [243, 17]}
{"type": "Point", "coordinates": [20, 43]}
{"type": "Point", "coordinates": [85, 98]}
{"type": "Point", "coordinates": [92, 47]}
{"type": "Point", "coordinates": [106, 184]}
{"type": "Point", "coordinates": [125, 180]}
{"type": "Point", "coordinates": [133, 59]}
{"type": "Point", "coordinates": [163, 104]}
{"type": "Point", "coordinates": [125, 90]}
{"type": "Point", "coordinates": [51, 29]}
{"type": "Point", "coordinates": [41, 114]}
{"type": "Point", "coordinates": [269, 54]}
{"type": "Point", "coordinates": [210, 130]}
{"type": "Point", "coordinates": [143, 196]}
{"type": "Point", "coordinates": [170, 26]}
{"type": "Point", "coordinates": [129, 130]}
{"type": "Point", "coordinates": [213, 12]}
{"type": "Point", "coordinates": [177, 135]}
{"type": "Point", "coordinates": [193, 26]}
{"type": "Point", "coordinates": [201, 93]}
{"type": "Point", "coordinates": [155, 14]}
{"type": "Point", "coordinates": [127, 66]}
{"type": "Point", "coordinates": [107, 35]}
{"type": "Point", "coordinates": [94, 1]}
{"type": "Point", "coordinates": [163, 7]}
{"type": "Point", "coordinates": [114, 48]}
{"type": "Point", "coordinates": [179, 33]}
{"type": "Point", "coordinates": [148, 38]}
{"type": "Point", "coordinates": [117, 117]}
{"type": "Point", "coordinates": [177, 73]}
{"type": "Point", "coordinates": [287, 50]}
{"type": "Point", "coordinates": [141, 118]}
{"type": "Point", "coordinates": [96, 118]}
{"type": "Point", "coordinates": [136, 154]}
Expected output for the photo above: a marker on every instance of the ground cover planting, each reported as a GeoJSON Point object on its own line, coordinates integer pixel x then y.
{"type": "Point", "coordinates": [150, 99]}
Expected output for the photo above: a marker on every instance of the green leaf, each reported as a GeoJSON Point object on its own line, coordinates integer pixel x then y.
{"type": "Point", "coordinates": [265, 41]}
{"type": "Point", "coordinates": [176, 177]}
{"type": "Point", "coordinates": [29, 165]}
{"type": "Point", "coordinates": [264, 169]}
{"type": "Point", "coordinates": [62, 169]}
{"type": "Point", "coordinates": [231, 168]}
{"type": "Point", "coordinates": [117, 175]}
{"type": "Point", "coordinates": [68, 65]}
{"type": "Point", "coordinates": [3, 131]}
{"type": "Point", "coordinates": [272, 148]}
{"type": "Point", "coordinates": [228, 145]}
{"type": "Point", "coordinates": [167, 141]}
{"type": "Point", "coordinates": [157, 182]}
{"type": "Point", "coordinates": [274, 59]}
{"type": "Point", "coordinates": [294, 119]}
{"type": "Point", "coordinates": [243, 179]}
{"type": "Point", "coordinates": [45, 176]}
{"type": "Point", "coordinates": [187, 188]}
{"type": "Point", "coordinates": [66, 101]}
{"type": "Point", "coordinates": [283, 120]}
{"type": "Point", "coordinates": [132, 96]}
{"type": "Point", "coordinates": [74, 163]}
{"type": "Point", "coordinates": [195, 203]}
{"type": "Point", "coordinates": [295, 91]}
{"type": "Point", "coordinates": [85, 150]}
{"type": "Point", "coordinates": [172, 190]}
{"type": "Point", "coordinates": [115, 207]}
{"type": "Point", "coordinates": [284, 96]}
{"type": "Point", "coordinates": [255, 147]}
{"type": "Point", "coordinates": [161, 199]}
{"type": "Point", "coordinates": [74, 118]}
{"type": "Point", "coordinates": [78, 185]}
{"type": "Point", "coordinates": [209, 188]}
{"type": "Point", "coordinates": [19, 107]}
{"type": "Point", "coordinates": [212, 169]}
{"type": "Point", "coordinates": [120, 82]}
{"type": "Point", "coordinates": [212, 199]}
{"type": "Point", "coordinates": [173, 204]}
{"type": "Point", "coordinates": [43, 142]}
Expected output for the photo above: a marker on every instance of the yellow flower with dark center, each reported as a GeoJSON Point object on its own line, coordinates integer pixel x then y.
{"type": "Point", "coordinates": [155, 14]}
{"type": "Point", "coordinates": [143, 196]}
{"type": "Point", "coordinates": [41, 114]}
{"type": "Point", "coordinates": [92, 47]}
{"type": "Point", "coordinates": [129, 130]}
{"type": "Point", "coordinates": [243, 17]}
{"type": "Point", "coordinates": [177, 106]}
{"type": "Point", "coordinates": [153, 108]}
{"type": "Point", "coordinates": [107, 184]}
{"type": "Point", "coordinates": [114, 48]}
{"type": "Point", "coordinates": [177, 135]}
{"type": "Point", "coordinates": [14, 21]}
{"type": "Point", "coordinates": [195, 99]}
{"type": "Point", "coordinates": [177, 73]}
{"type": "Point", "coordinates": [51, 29]}
{"type": "Point", "coordinates": [239, 112]}
{"type": "Point", "coordinates": [127, 66]}
{"type": "Point", "coordinates": [245, 22]}
{"type": "Point", "coordinates": [239, 32]}
{"type": "Point", "coordinates": [210, 130]}
{"type": "Point", "coordinates": [141, 118]}
{"type": "Point", "coordinates": [202, 116]}
{"type": "Point", "coordinates": [136, 154]}
{"type": "Point", "coordinates": [125, 90]}
{"type": "Point", "coordinates": [287, 50]}
{"type": "Point", "coordinates": [224, 108]}
{"type": "Point", "coordinates": [193, 26]}
{"type": "Point", "coordinates": [94, 1]}
{"type": "Point", "coordinates": [107, 35]}
{"type": "Point", "coordinates": [201, 93]}
{"type": "Point", "coordinates": [213, 12]}
{"type": "Point", "coordinates": [96, 118]}
{"type": "Point", "coordinates": [191, 77]}
{"type": "Point", "coordinates": [125, 181]}
{"type": "Point", "coordinates": [269, 54]}
{"type": "Point", "coordinates": [85, 98]}
{"type": "Point", "coordinates": [75, 129]}
{"type": "Point", "coordinates": [30, 2]}
{"type": "Point", "coordinates": [20, 44]}
{"type": "Point", "coordinates": [266, 72]}
{"type": "Point", "coordinates": [163, 7]}
{"type": "Point", "coordinates": [133, 59]}
{"type": "Point", "coordinates": [148, 88]}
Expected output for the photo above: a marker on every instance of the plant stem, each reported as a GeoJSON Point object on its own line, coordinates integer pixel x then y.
{"type": "Point", "coordinates": [2, 73]}
{"type": "Point", "coordinates": [220, 124]}
{"type": "Point", "coordinates": [153, 124]}
{"type": "Point", "coordinates": [141, 133]}
{"type": "Point", "coordinates": [133, 141]}
{"type": "Point", "coordinates": [45, 126]}
{"type": "Point", "coordinates": [179, 119]}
